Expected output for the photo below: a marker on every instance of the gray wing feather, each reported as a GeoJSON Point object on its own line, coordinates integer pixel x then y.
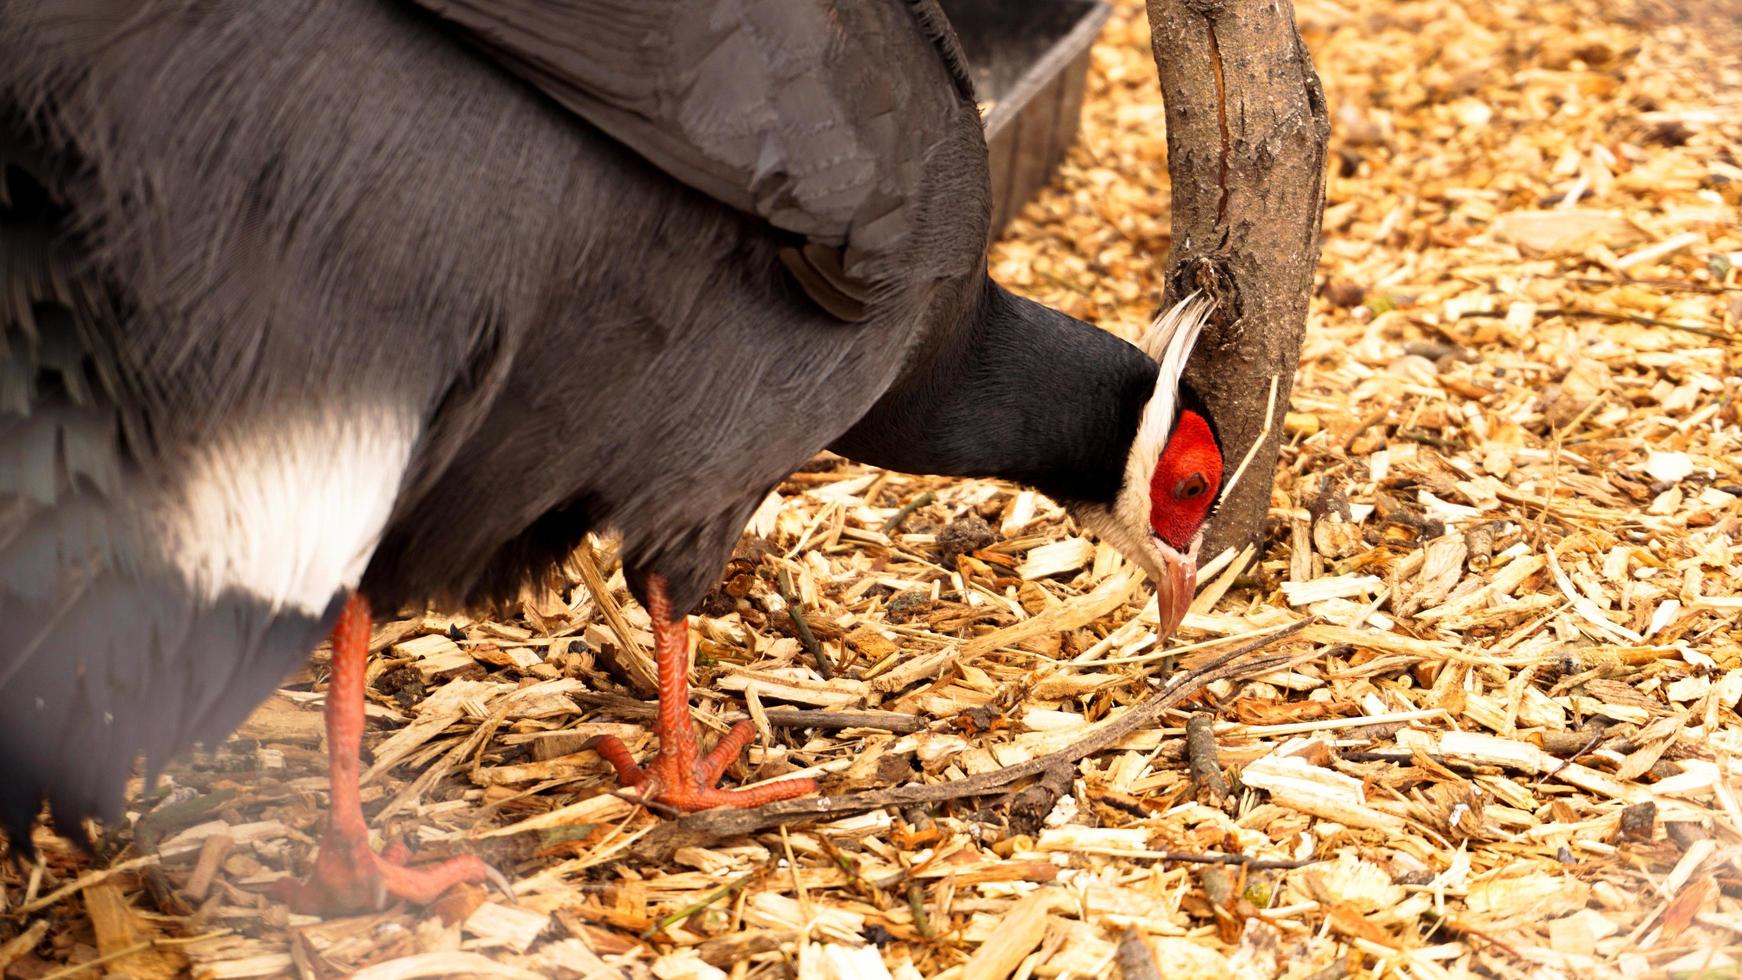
{"type": "Point", "coordinates": [817, 115]}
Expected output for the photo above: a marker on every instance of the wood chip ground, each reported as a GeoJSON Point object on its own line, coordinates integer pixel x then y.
{"type": "Point", "coordinates": [1507, 745]}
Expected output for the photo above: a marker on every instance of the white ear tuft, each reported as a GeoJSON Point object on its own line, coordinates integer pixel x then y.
{"type": "Point", "coordinates": [1169, 342]}
{"type": "Point", "coordinates": [1170, 339]}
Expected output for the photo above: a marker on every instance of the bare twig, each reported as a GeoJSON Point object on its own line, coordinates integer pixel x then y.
{"type": "Point", "coordinates": [1241, 860]}
{"type": "Point", "coordinates": [1372, 419]}
{"type": "Point", "coordinates": [1679, 285]}
{"type": "Point", "coordinates": [795, 611]}
{"type": "Point", "coordinates": [1649, 321]}
{"type": "Point", "coordinates": [710, 898]}
{"type": "Point", "coordinates": [916, 904]}
{"type": "Point", "coordinates": [1569, 760]}
{"type": "Point", "coordinates": [1429, 439]}
{"type": "Point", "coordinates": [1206, 768]}
{"type": "Point", "coordinates": [822, 719]}
{"type": "Point", "coordinates": [84, 881]}
{"type": "Point", "coordinates": [1402, 758]}
{"type": "Point", "coordinates": [888, 721]}
{"type": "Point", "coordinates": [907, 509]}
{"type": "Point", "coordinates": [712, 825]}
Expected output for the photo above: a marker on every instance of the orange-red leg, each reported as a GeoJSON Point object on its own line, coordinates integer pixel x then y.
{"type": "Point", "coordinates": [348, 876]}
{"type": "Point", "coordinates": [680, 776]}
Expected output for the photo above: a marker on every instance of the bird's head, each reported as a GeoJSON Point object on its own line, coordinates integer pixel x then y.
{"type": "Point", "coordinates": [1173, 472]}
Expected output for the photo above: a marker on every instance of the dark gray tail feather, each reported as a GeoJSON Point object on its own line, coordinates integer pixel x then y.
{"type": "Point", "coordinates": [128, 671]}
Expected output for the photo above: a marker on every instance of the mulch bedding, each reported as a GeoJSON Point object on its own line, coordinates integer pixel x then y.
{"type": "Point", "coordinates": [1483, 717]}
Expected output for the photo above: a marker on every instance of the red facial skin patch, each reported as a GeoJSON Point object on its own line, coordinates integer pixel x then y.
{"type": "Point", "coordinates": [1185, 483]}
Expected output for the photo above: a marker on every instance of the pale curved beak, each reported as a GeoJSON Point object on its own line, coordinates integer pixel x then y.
{"type": "Point", "coordinates": [1173, 574]}
{"type": "Point", "coordinates": [1174, 589]}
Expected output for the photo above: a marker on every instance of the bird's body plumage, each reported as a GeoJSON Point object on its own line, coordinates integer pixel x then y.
{"type": "Point", "coordinates": [302, 297]}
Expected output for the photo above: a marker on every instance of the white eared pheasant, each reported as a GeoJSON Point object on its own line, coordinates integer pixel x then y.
{"type": "Point", "coordinates": [315, 306]}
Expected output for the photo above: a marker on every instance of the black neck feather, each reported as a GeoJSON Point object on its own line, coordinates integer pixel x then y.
{"type": "Point", "coordinates": [1021, 392]}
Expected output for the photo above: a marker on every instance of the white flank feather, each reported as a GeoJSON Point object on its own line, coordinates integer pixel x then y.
{"type": "Point", "coordinates": [290, 510]}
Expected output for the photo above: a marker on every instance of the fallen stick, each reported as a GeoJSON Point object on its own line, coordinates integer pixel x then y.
{"type": "Point", "coordinates": [1238, 860]}
{"type": "Point", "coordinates": [894, 522]}
{"type": "Point", "coordinates": [1614, 317]}
{"type": "Point", "coordinates": [699, 829]}
{"type": "Point", "coordinates": [827, 719]}
{"type": "Point", "coordinates": [795, 612]}
{"type": "Point", "coordinates": [1205, 766]}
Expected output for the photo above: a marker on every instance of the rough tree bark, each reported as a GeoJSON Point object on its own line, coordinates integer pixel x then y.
{"type": "Point", "coordinates": [1246, 137]}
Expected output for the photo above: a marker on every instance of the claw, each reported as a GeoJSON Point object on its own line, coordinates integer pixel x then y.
{"type": "Point", "coordinates": [643, 795]}
{"type": "Point", "coordinates": [495, 880]}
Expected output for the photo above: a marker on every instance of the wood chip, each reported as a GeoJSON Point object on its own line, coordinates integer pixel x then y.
{"type": "Point", "coordinates": [492, 924]}
{"type": "Point", "coordinates": [1293, 782]}
{"type": "Point", "coordinates": [1019, 932]}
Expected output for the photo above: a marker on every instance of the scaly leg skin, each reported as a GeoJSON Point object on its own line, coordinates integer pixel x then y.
{"type": "Point", "coordinates": [348, 876]}
{"type": "Point", "coordinates": [681, 777]}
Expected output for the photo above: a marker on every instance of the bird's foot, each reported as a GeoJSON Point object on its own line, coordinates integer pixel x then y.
{"type": "Point", "coordinates": [667, 781]}
{"type": "Point", "coordinates": [349, 877]}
